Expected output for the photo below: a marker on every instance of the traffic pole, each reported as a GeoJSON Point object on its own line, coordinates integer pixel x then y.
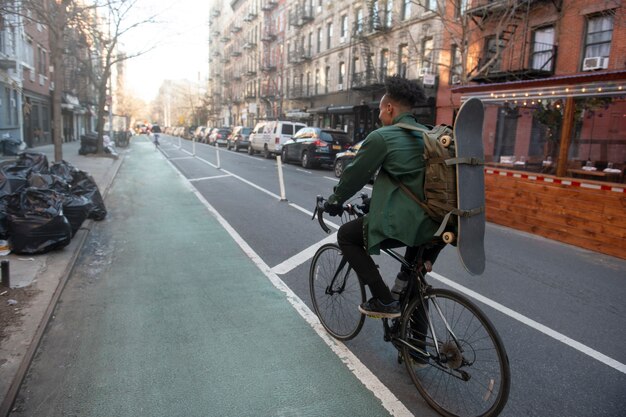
{"type": "Point", "coordinates": [193, 146]}
{"type": "Point", "coordinates": [281, 181]}
{"type": "Point", "coordinates": [217, 152]}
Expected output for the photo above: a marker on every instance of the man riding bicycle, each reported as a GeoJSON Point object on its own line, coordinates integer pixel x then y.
{"type": "Point", "coordinates": [394, 219]}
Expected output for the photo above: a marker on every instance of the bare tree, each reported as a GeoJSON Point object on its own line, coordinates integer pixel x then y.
{"type": "Point", "coordinates": [117, 22]}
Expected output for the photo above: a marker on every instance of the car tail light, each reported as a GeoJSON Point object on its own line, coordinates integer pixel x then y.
{"type": "Point", "coordinates": [318, 143]}
{"type": "Point", "coordinates": [277, 140]}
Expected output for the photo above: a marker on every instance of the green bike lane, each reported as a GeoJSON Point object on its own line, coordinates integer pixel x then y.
{"type": "Point", "coordinates": [166, 315]}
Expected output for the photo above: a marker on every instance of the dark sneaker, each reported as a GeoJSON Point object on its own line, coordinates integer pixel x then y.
{"type": "Point", "coordinates": [375, 308]}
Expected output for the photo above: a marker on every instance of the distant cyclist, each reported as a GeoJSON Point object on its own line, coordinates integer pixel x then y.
{"type": "Point", "coordinates": [394, 219]}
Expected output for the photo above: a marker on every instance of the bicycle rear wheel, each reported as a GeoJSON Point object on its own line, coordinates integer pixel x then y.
{"type": "Point", "coordinates": [336, 293]}
{"type": "Point", "coordinates": [469, 376]}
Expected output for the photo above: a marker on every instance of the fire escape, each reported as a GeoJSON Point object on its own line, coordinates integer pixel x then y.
{"type": "Point", "coordinates": [299, 16]}
{"type": "Point", "coordinates": [361, 43]}
{"type": "Point", "coordinates": [506, 54]}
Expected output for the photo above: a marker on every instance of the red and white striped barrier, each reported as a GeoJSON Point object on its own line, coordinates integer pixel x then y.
{"type": "Point", "coordinates": [552, 180]}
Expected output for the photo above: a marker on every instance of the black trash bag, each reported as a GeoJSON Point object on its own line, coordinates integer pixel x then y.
{"type": "Point", "coordinates": [63, 169]}
{"type": "Point", "coordinates": [49, 182]}
{"type": "Point", "coordinates": [76, 208]}
{"type": "Point", "coordinates": [10, 146]}
{"type": "Point", "coordinates": [35, 160]}
{"type": "Point", "coordinates": [13, 179]}
{"type": "Point", "coordinates": [4, 231]}
{"type": "Point", "coordinates": [88, 144]}
{"type": "Point", "coordinates": [84, 185]}
{"type": "Point", "coordinates": [36, 223]}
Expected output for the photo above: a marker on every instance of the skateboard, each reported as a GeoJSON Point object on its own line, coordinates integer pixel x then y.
{"type": "Point", "coordinates": [470, 180]}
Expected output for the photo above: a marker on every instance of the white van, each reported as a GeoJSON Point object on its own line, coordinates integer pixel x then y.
{"type": "Point", "coordinates": [269, 137]}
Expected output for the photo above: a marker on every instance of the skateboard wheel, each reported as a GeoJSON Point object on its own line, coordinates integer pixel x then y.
{"type": "Point", "coordinates": [445, 140]}
{"type": "Point", "coordinates": [448, 237]}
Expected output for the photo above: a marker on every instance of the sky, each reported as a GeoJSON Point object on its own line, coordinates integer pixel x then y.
{"type": "Point", "coordinates": [179, 41]}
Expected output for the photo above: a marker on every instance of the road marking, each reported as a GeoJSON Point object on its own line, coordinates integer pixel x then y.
{"type": "Point", "coordinates": [303, 170]}
{"type": "Point", "coordinates": [181, 157]}
{"type": "Point", "coordinates": [291, 263]}
{"type": "Point", "coordinates": [302, 257]}
{"type": "Point", "coordinates": [210, 178]}
{"type": "Point", "coordinates": [533, 324]}
{"type": "Point", "coordinates": [388, 400]}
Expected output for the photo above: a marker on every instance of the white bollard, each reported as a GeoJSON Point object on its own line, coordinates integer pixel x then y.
{"type": "Point", "coordinates": [217, 152]}
{"type": "Point", "coordinates": [193, 146]}
{"type": "Point", "coordinates": [281, 181]}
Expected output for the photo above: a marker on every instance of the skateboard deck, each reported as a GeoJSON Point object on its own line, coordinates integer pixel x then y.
{"type": "Point", "coordinates": [470, 179]}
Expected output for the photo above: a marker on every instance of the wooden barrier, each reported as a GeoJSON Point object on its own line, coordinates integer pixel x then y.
{"type": "Point", "coordinates": [588, 214]}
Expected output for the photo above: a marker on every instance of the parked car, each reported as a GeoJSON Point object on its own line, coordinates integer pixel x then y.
{"type": "Point", "coordinates": [343, 159]}
{"type": "Point", "coordinates": [239, 138]}
{"type": "Point", "coordinates": [219, 136]}
{"type": "Point", "coordinates": [270, 137]}
{"type": "Point", "coordinates": [199, 133]}
{"type": "Point", "coordinates": [314, 146]}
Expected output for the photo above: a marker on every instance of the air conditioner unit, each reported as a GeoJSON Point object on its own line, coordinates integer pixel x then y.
{"type": "Point", "coordinates": [339, 87]}
{"type": "Point", "coordinates": [594, 63]}
{"type": "Point", "coordinates": [456, 79]}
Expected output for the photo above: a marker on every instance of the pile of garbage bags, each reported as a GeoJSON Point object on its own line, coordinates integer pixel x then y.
{"type": "Point", "coordinates": [89, 144]}
{"type": "Point", "coordinates": [42, 206]}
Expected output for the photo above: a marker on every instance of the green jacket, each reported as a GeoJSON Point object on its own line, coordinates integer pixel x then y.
{"type": "Point", "coordinates": [393, 214]}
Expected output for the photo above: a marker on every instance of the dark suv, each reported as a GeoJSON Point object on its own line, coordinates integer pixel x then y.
{"type": "Point", "coordinates": [312, 146]}
{"type": "Point", "coordinates": [239, 139]}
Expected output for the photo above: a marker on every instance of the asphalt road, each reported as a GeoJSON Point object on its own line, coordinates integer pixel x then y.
{"type": "Point", "coordinates": [559, 309]}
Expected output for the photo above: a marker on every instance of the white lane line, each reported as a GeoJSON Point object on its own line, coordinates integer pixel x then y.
{"type": "Point", "coordinates": [303, 170]}
{"type": "Point", "coordinates": [533, 324]}
{"type": "Point", "coordinates": [302, 257]}
{"type": "Point", "coordinates": [388, 400]}
{"type": "Point", "coordinates": [210, 178]}
{"type": "Point", "coordinates": [181, 157]}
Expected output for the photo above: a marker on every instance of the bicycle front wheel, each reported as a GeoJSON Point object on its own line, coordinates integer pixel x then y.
{"type": "Point", "coordinates": [336, 293]}
{"type": "Point", "coordinates": [466, 369]}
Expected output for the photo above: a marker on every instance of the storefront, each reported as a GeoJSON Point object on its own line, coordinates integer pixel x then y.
{"type": "Point", "coordinates": [555, 152]}
{"type": "Point", "coordinates": [37, 124]}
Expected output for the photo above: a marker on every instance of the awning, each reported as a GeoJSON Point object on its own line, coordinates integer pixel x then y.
{"type": "Point", "coordinates": [318, 109]}
{"type": "Point", "coordinates": [341, 109]}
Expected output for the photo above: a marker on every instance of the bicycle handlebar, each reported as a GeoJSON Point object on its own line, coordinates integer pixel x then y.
{"type": "Point", "coordinates": [357, 210]}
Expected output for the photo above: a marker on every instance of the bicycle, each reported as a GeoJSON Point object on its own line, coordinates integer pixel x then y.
{"type": "Point", "coordinates": [451, 350]}
{"type": "Point", "coordinates": [156, 141]}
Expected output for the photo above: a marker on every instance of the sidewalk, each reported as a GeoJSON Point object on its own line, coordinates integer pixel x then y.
{"type": "Point", "coordinates": [44, 276]}
{"type": "Point", "coordinates": [180, 321]}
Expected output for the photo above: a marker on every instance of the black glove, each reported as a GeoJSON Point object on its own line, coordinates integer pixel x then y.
{"type": "Point", "coordinates": [333, 209]}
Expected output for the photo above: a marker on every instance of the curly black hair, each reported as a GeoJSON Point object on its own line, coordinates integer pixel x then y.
{"type": "Point", "coordinates": [404, 91]}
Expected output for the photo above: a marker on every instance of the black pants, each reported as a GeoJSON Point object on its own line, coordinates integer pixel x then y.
{"type": "Point", "coordinates": [352, 244]}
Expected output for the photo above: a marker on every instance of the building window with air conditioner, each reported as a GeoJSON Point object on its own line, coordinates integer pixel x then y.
{"type": "Point", "coordinates": [597, 42]}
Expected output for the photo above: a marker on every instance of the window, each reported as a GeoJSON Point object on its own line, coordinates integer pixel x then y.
{"type": "Point", "coordinates": [326, 79]}
{"type": "Point", "coordinates": [543, 49]}
{"type": "Point", "coordinates": [403, 60]}
{"type": "Point", "coordinates": [317, 81]}
{"type": "Point", "coordinates": [319, 40]}
{"type": "Point", "coordinates": [342, 72]}
{"type": "Point", "coordinates": [329, 34]}
{"type": "Point", "coordinates": [359, 21]}
{"type": "Point", "coordinates": [308, 83]}
{"type": "Point", "coordinates": [456, 65]}
{"type": "Point", "coordinates": [406, 9]}
{"type": "Point", "coordinates": [389, 14]}
{"type": "Point", "coordinates": [344, 26]}
{"type": "Point", "coordinates": [384, 63]}
{"type": "Point", "coordinates": [493, 50]}
{"type": "Point", "coordinates": [428, 53]}
{"type": "Point", "coordinates": [599, 34]}
{"type": "Point", "coordinates": [309, 49]}
{"type": "Point", "coordinates": [355, 65]}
